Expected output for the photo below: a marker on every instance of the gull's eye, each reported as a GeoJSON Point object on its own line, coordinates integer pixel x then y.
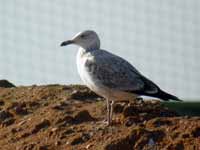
{"type": "Point", "coordinates": [83, 36]}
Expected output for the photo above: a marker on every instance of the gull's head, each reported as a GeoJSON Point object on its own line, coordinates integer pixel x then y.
{"type": "Point", "coordinates": [88, 40]}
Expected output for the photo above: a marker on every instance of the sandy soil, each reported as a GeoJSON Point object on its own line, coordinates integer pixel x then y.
{"type": "Point", "coordinates": [58, 117]}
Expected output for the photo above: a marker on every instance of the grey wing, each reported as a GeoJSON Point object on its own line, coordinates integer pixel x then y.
{"type": "Point", "coordinates": [114, 72]}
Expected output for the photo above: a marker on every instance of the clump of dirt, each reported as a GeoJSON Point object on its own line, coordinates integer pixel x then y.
{"type": "Point", "coordinates": [83, 116]}
{"type": "Point", "coordinates": [6, 118]}
{"type": "Point", "coordinates": [196, 132]}
{"type": "Point", "coordinates": [61, 117]}
{"type": "Point", "coordinates": [43, 124]}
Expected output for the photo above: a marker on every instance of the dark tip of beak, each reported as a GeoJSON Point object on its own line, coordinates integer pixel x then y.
{"type": "Point", "coordinates": [66, 43]}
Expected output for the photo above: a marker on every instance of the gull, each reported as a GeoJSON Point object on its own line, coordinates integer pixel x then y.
{"type": "Point", "coordinates": [109, 75]}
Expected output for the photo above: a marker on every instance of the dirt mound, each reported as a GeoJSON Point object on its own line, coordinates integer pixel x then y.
{"type": "Point", "coordinates": [58, 117]}
{"type": "Point", "coordinates": [6, 84]}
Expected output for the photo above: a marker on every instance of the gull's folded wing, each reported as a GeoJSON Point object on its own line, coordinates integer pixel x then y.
{"type": "Point", "coordinates": [114, 72]}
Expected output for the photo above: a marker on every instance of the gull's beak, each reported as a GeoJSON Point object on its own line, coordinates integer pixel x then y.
{"type": "Point", "coordinates": [65, 43]}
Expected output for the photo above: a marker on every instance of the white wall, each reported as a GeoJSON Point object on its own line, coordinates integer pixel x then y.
{"type": "Point", "coordinates": [160, 38]}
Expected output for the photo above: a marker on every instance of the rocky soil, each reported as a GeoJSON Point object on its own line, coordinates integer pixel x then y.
{"type": "Point", "coordinates": [59, 117]}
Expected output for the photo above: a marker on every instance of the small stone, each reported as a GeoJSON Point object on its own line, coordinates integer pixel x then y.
{"type": "Point", "coordinates": [76, 94]}
{"type": "Point", "coordinates": [131, 121]}
{"type": "Point", "coordinates": [129, 111]}
{"type": "Point", "coordinates": [57, 107]}
{"type": "Point", "coordinates": [99, 98]}
{"type": "Point", "coordinates": [196, 132]}
{"type": "Point", "coordinates": [33, 104]}
{"type": "Point", "coordinates": [88, 146]}
{"type": "Point", "coordinates": [44, 124]}
{"type": "Point", "coordinates": [8, 122]}
{"type": "Point", "coordinates": [86, 136]}
{"type": "Point", "coordinates": [69, 131]}
{"type": "Point", "coordinates": [2, 102]}
{"type": "Point", "coordinates": [21, 123]}
{"type": "Point", "coordinates": [54, 129]}
{"type": "Point", "coordinates": [20, 110]}
{"type": "Point", "coordinates": [5, 115]}
{"type": "Point", "coordinates": [65, 120]}
{"type": "Point", "coordinates": [186, 135]}
{"type": "Point", "coordinates": [29, 146]}
{"type": "Point", "coordinates": [77, 140]}
{"type": "Point", "coordinates": [64, 103]}
{"type": "Point", "coordinates": [176, 146]}
{"type": "Point", "coordinates": [14, 130]}
{"type": "Point", "coordinates": [157, 122]}
{"type": "Point", "coordinates": [43, 147]}
{"type": "Point", "coordinates": [151, 142]}
{"type": "Point", "coordinates": [123, 143]}
{"type": "Point", "coordinates": [118, 108]}
{"type": "Point", "coordinates": [61, 106]}
{"type": "Point", "coordinates": [67, 143]}
{"type": "Point", "coordinates": [57, 143]}
{"type": "Point", "coordinates": [83, 116]}
{"type": "Point", "coordinates": [24, 135]}
{"type": "Point", "coordinates": [83, 94]}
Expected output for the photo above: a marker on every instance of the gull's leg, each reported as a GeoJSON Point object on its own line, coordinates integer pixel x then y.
{"type": "Point", "coordinates": [111, 110]}
{"type": "Point", "coordinates": [108, 111]}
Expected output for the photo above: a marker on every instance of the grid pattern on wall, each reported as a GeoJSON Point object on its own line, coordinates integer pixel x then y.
{"type": "Point", "coordinates": [160, 38]}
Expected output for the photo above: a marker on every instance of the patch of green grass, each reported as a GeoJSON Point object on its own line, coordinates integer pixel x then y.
{"type": "Point", "coordinates": [190, 108]}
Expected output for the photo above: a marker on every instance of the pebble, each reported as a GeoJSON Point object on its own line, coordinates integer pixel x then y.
{"type": "Point", "coordinates": [43, 147]}
{"type": "Point", "coordinates": [8, 122]}
{"type": "Point", "coordinates": [44, 124]}
{"type": "Point", "coordinates": [88, 146]}
{"type": "Point", "coordinates": [118, 108]}
{"type": "Point", "coordinates": [83, 116]}
{"type": "Point", "coordinates": [2, 102]}
{"type": "Point", "coordinates": [54, 129]}
{"type": "Point", "coordinates": [20, 110]}
{"type": "Point", "coordinates": [5, 115]}
{"type": "Point", "coordinates": [196, 132]}
{"type": "Point", "coordinates": [151, 142]}
{"type": "Point", "coordinates": [129, 111]}
{"type": "Point", "coordinates": [77, 140]}
{"type": "Point", "coordinates": [21, 123]}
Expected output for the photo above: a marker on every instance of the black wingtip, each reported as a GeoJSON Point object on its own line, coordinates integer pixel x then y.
{"type": "Point", "coordinates": [166, 96]}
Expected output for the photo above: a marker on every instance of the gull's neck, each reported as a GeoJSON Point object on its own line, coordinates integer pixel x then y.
{"type": "Point", "coordinates": [91, 45]}
{"type": "Point", "coordinates": [89, 48]}
{"type": "Point", "coordinates": [82, 51]}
